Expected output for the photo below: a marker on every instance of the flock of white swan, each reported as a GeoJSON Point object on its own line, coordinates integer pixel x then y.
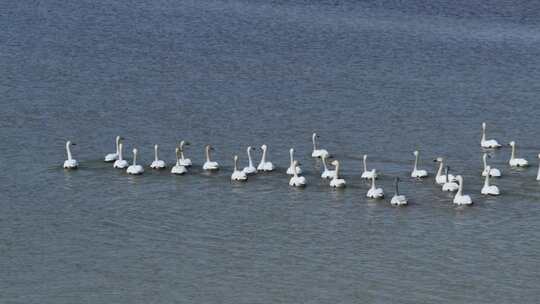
{"type": "Point", "coordinates": [447, 181]}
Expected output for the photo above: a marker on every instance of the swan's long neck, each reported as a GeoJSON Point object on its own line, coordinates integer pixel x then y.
{"type": "Point", "coordinates": [337, 170]}
{"type": "Point", "coordinates": [295, 173]}
{"type": "Point", "coordinates": [415, 161]}
{"type": "Point", "coordinates": [483, 133]}
{"type": "Point", "coordinates": [120, 152]}
{"type": "Point", "coordinates": [324, 163]}
{"type": "Point", "coordinates": [156, 152]}
{"type": "Point", "coordinates": [182, 150]}
{"type": "Point", "coordinates": [68, 150]}
{"type": "Point", "coordinates": [397, 189]}
{"type": "Point", "coordinates": [373, 182]}
{"type": "Point", "coordinates": [207, 153]}
{"type": "Point", "coordinates": [486, 181]}
{"type": "Point", "coordinates": [134, 158]}
{"type": "Point", "coordinates": [484, 160]}
{"type": "Point", "coordinates": [263, 158]}
{"type": "Point", "coordinates": [236, 163]}
{"type": "Point", "coordinates": [314, 142]}
{"type": "Point", "coordinates": [117, 143]}
{"type": "Point", "coordinates": [291, 153]}
{"type": "Point", "coordinates": [446, 174]}
{"type": "Point", "coordinates": [365, 165]}
{"type": "Point", "coordinates": [439, 172]}
{"type": "Point", "coordinates": [249, 157]}
{"type": "Point", "coordinates": [178, 152]}
{"type": "Point", "coordinates": [513, 152]}
{"type": "Point", "coordinates": [460, 188]}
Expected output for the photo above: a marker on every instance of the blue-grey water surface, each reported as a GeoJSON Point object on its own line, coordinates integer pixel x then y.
{"type": "Point", "coordinates": [369, 77]}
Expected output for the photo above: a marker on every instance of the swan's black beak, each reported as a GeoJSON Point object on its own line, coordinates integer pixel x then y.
{"type": "Point", "coordinates": [73, 144]}
{"type": "Point", "coordinates": [187, 143]}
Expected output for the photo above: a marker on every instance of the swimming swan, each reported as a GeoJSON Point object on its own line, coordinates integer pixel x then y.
{"type": "Point", "coordinates": [459, 198]}
{"type": "Point", "coordinates": [440, 178]}
{"type": "Point", "coordinates": [374, 192]}
{"type": "Point", "coordinates": [135, 169]}
{"type": "Point", "coordinates": [493, 172]}
{"type": "Point", "coordinates": [449, 186]}
{"type": "Point", "coordinates": [489, 189]}
{"type": "Point", "coordinates": [186, 162]}
{"type": "Point", "coordinates": [178, 168]}
{"type": "Point", "coordinates": [318, 152]}
{"type": "Point", "coordinates": [120, 163]}
{"type": "Point", "coordinates": [70, 163]}
{"type": "Point", "coordinates": [327, 174]}
{"type": "Point", "coordinates": [297, 181]}
{"type": "Point", "coordinates": [291, 169]}
{"type": "Point", "coordinates": [208, 164]}
{"type": "Point", "coordinates": [265, 165]}
{"type": "Point", "coordinates": [398, 200]}
{"type": "Point", "coordinates": [516, 162]}
{"type": "Point", "coordinates": [113, 156]}
{"type": "Point", "coordinates": [337, 182]}
{"type": "Point", "coordinates": [250, 169]}
{"type": "Point", "coordinates": [157, 163]}
{"type": "Point", "coordinates": [417, 173]}
{"type": "Point", "coordinates": [238, 175]}
{"type": "Point", "coordinates": [490, 143]}
{"type": "Point", "coordinates": [368, 174]}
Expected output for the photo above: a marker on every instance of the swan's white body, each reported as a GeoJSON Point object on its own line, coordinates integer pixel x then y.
{"type": "Point", "coordinates": [368, 174]}
{"type": "Point", "coordinates": [337, 182]}
{"type": "Point", "coordinates": [265, 165]}
{"type": "Point", "coordinates": [297, 181]}
{"type": "Point", "coordinates": [490, 143]}
{"type": "Point", "coordinates": [493, 172]}
{"type": "Point", "coordinates": [449, 186]}
{"type": "Point", "coordinates": [459, 198]}
{"type": "Point", "coordinates": [238, 175]}
{"type": "Point", "coordinates": [113, 156]}
{"type": "Point", "coordinates": [442, 178]}
{"type": "Point", "coordinates": [398, 200]}
{"type": "Point", "coordinates": [120, 163]}
{"type": "Point", "coordinates": [178, 168]}
{"type": "Point", "coordinates": [135, 169]}
{"type": "Point", "coordinates": [186, 162]}
{"type": "Point", "coordinates": [291, 169]}
{"type": "Point", "coordinates": [327, 174]}
{"type": "Point", "coordinates": [318, 152]}
{"type": "Point", "coordinates": [209, 165]}
{"type": "Point", "coordinates": [70, 162]}
{"type": "Point", "coordinates": [516, 162]}
{"type": "Point", "coordinates": [416, 172]}
{"type": "Point", "coordinates": [488, 189]}
{"type": "Point", "coordinates": [538, 175]}
{"type": "Point", "coordinates": [374, 192]}
{"type": "Point", "coordinates": [250, 169]}
{"type": "Point", "coordinates": [157, 163]}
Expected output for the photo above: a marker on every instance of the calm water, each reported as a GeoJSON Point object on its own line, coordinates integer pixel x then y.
{"type": "Point", "coordinates": [370, 78]}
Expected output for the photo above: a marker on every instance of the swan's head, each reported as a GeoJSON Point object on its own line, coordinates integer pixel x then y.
{"type": "Point", "coordinates": [335, 162]}
{"type": "Point", "coordinates": [512, 143]}
{"type": "Point", "coordinates": [459, 179]}
{"type": "Point", "coordinates": [120, 145]}
{"type": "Point", "coordinates": [314, 136]}
{"type": "Point", "coordinates": [264, 147]}
{"type": "Point", "coordinates": [209, 148]}
{"type": "Point", "coordinates": [184, 143]}
{"type": "Point", "coordinates": [236, 158]}
{"type": "Point", "coordinates": [438, 160]}
{"type": "Point", "coordinates": [538, 155]}
{"type": "Point", "coordinates": [156, 147]}
{"type": "Point", "coordinates": [249, 148]}
{"type": "Point", "coordinates": [118, 138]}
{"type": "Point", "coordinates": [416, 153]}
{"type": "Point", "coordinates": [69, 143]}
{"type": "Point", "coordinates": [291, 150]}
{"type": "Point", "coordinates": [397, 179]}
{"type": "Point", "coordinates": [484, 125]}
{"type": "Point", "coordinates": [365, 157]}
{"type": "Point", "coordinates": [135, 151]}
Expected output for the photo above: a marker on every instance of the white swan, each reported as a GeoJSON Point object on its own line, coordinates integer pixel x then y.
{"type": "Point", "coordinates": [326, 174]}
{"type": "Point", "coordinates": [459, 198]}
{"type": "Point", "coordinates": [337, 182]}
{"type": "Point", "coordinates": [120, 163]}
{"type": "Point", "coordinates": [368, 174]}
{"type": "Point", "coordinates": [178, 168]}
{"type": "Point", "coordinates": [374, 192]}
{"type": "Point", "coordinates": [398, 200]}
{"type": "Point", "coordinates": [265, 165]}
{"type": "Point", "coordinates": [291, 169]}
{"type": "Point", "coordinates": [490, 143]}
{"type": "Point", "coordinates": [208, 164]}
{"type": "Point", "coordinates": [538, 175]}
{"type": "Point", "coordinates": [493, 172]}
{"type": "Point", "coordinates": [516, 162]}
{"type": "Point", "coordinates": [113, 156]}
{"type": "Point", "coordinates": [70, 162]}
{"type": "Point", "coordinates": [238, 175]}
{"type": "Point", "coordinates": [318, 152]}
{"type": "Point", "coordinates": [449, 186]}
{"type": "Point", "coordinates": [489, 189]}
{"type": "Point", "coordinates": [417, 173]}
{"type": "Point", "coordinates": [297, 181]}
{"type": "Point", "coordinates": [442, 178]}
{"type": "Point", "coordinates": [135, 169]}
{"type": "Point", "coordinates": [186, 162]}
{"type": "Point", "coordinates": [157, 163]}
{"type": "Point", "coordinates": [250, 169]}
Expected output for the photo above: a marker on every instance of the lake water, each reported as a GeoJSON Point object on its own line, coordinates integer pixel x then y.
{"type": "Point", "coordinates": [381, 79]}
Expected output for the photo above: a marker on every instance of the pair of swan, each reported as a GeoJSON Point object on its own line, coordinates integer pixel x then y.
{"type": "Point", "coordinates": [182, 163]}
{"type": "Point", "coordinates": [70, 162]}
{"type": "Point", "coordinates": [318, 152]}
{"type": "Point", "coordinates": [516, 162]}
{"type": "Point", "coordinates": [490, 143]}
{"type": "Point", "coordinates": [327, 173]}
{"type": "Point", "coordinates": [265, 165]}
{"type": "Point", "coordinates": [120, 163]}
{"type": "Point", "coordinates": [417, 173]}
{"type": "Point", "coordinates": [297, 180]}
{"type": "Point", "coordinates": [440, 178]}
{"type": "Point", "coordinates": [368, 174]}
{"type": "Point", "coordinates": [492, 172]}
{"type": "Point", "coordinates": [250, 169]}
{"type": "Point", "coordinates": [293, 167]}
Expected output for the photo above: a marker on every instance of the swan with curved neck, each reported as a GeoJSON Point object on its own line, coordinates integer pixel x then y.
{"type": "Point", "coordinates": [157, 163]}
{"type": "Point", "coordinates": [397, 199]}
{"type": "Point", "coordinates": [209, 165]}
{"type": "Point", "coordinates": [492, 172]}
{"type": "Point", "coordinates": [459, 198]}
{"type": "Point", "coordinates": [292, 169]}
{"type": "Point", "coordinates": [120, 163]}
{"type": "Point", "coordinates": [296, 180]}
{"type": "Point", "coordinates": [250, 169]}
{"type": "Point", "coordinates": [488, 189]}
{"type": "Point", "coordinates": [178, 168]}
{"type": "Point", "coordinates": [186, 162]}
{"type": "Point", "coordinates": [316, 151]}
{"type": "Point", "coordinates": [441, 178]}
{"type": "Point", "coordinates": [490, 143]}
{"type": "Point", "coordinates": [514, 161]}
{"type": "Point", "coordinates": [368, 174]}
{"type": "Point", "coordinates": [449, 186]}
{"type": "Point", "coordinates": [337, 182]}
{"type": "Point", "coordinates": [238, 175]}
{"type": "Point", "coordinates": [374, 192]}
{"type": "Point", "coordinates": [70, 162]}
{"type": "Point", "coordinates": [416, 172]}
{"type": "Point", "coordinates": [114, 156]}
{"type": "Point", "coordinates": [265, 165]}
{"type": "Point", "coordinates": [327, 173]}
{"type": "Point", "coordinates": [135, 169]}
